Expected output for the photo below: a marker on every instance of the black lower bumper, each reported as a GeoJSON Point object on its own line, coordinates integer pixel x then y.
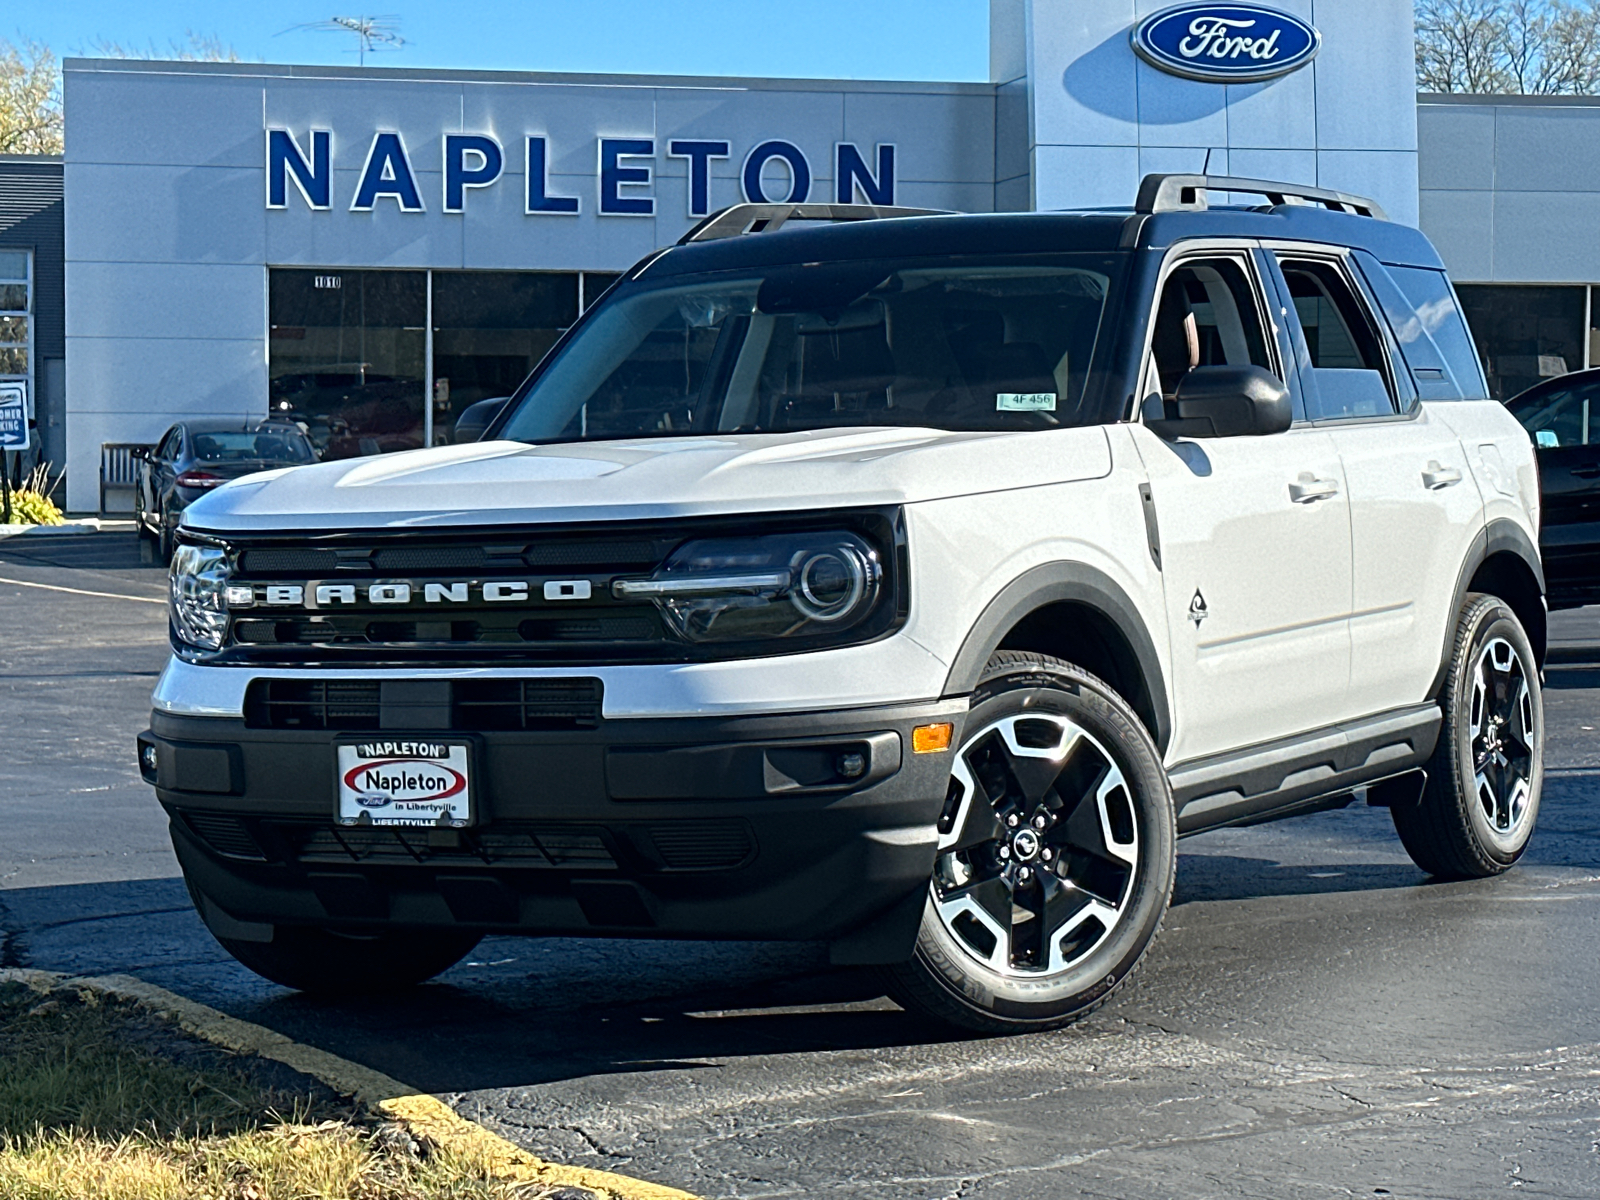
{"type": "Point", "coordinates": [702, 827]}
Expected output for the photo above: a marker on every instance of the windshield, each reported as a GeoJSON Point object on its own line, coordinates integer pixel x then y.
{"type": "Point", "coordinates": [276, 445]}
{"type": "Point", "coordinates": [826, 345]}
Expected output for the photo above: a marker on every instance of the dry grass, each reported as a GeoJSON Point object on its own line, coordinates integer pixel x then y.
{"type": "Point", "coordinates": [100, 1100]}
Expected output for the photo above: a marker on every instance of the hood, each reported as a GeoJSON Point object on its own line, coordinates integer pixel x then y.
{"type": "Point", "coordinates": [513, 483]}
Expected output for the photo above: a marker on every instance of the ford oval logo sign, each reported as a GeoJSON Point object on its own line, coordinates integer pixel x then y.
{"type": "Point", "coordinates": [1225, 43]}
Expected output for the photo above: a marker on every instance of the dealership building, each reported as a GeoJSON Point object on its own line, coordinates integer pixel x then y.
{"type": "Point", "coordinates": [370, 250]}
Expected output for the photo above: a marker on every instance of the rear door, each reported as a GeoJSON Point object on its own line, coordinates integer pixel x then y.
{"type": "Point", "coordinates": [1563, 419]}
{"type": "Point", "coordinates": [1254, 532]}
{"type": "Point", "coordinates": [1414, 507]}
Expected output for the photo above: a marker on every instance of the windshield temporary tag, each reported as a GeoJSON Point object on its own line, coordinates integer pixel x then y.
{"type": "Point", "coordinates": [1025, 402]}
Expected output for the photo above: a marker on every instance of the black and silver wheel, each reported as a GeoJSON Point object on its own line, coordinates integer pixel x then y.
{"type": "Point", "coordinates": [1055, 856]}
{"type": "Point", "coordinates": [1482, 797]}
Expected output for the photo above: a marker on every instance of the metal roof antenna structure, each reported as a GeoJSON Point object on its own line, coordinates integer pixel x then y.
{"type": "Point", "coordinates": [372, 33]}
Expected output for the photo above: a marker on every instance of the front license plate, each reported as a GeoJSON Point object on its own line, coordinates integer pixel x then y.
{"type": "Point", "coordinates": [405, 781]}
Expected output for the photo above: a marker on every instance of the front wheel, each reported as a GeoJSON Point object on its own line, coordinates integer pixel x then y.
{"type": "Point", "coordinates": [1482, 796]}
{"type": "Point", "coordinates": [1056, 854]}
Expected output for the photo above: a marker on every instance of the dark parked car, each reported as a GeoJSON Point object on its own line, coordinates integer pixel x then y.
{"type": "Point", "coordinates": [1562, 416]}
{"type": "Point", "coordinates": [195, 456]}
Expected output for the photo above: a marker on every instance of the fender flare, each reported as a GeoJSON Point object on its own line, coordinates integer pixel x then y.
{"type": "Point", "coordinates": [1054, 583]}
{"type": "Point", "coordinates": [1499, 536]}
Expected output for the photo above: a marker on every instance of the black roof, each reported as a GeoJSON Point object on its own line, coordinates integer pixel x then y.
{"type": "Point", "coordinates": [1047, 232]}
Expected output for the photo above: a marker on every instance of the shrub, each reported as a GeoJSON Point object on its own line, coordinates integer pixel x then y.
{"type": "Point", "coordinates": [30, 508]}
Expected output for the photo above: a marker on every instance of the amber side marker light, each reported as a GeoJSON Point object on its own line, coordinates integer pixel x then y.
{"type": "Point", "coordinates": [930, 739]}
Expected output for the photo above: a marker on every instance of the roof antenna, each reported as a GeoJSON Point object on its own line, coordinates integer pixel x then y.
{"type": "Point", "coordinates": [1205, 169]}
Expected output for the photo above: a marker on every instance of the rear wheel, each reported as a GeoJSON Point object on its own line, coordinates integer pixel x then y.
{"type": "Point", "coordinates": [1056, 854]}
{"type": "Point", "coordinates": [1482, 797]}
{"type": "Point", "coordinates": [329, 963]}
{"type": "Point", "coordinates": [164, 542]}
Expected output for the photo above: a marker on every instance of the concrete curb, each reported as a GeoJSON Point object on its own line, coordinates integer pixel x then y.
{"type": "Point", "coordinates": [426, 1117]}
{"type": "Point", "coordinates": [70, 528]}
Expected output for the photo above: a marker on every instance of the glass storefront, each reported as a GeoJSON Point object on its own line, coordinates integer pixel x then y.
{"type": "Point", "coordinates": [16, 320]}
{"type": "Point", "coordinates": [353, 353]}
{"type": "Point", "coordinates": [347, 356]}
{"type": "Point", "coordinates": [1526, 333]}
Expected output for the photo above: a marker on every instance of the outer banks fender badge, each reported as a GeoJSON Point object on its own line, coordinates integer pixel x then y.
{"type": "Point", "coordinates": [1197, 608]}
{"type": "Point", "coordinates": [1225, 43]}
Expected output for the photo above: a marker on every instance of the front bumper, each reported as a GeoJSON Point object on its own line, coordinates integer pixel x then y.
{"type": "Point", "coordinates": [705, 827]}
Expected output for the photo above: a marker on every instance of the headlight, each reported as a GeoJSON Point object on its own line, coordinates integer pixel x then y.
{"type": "Point", "coordinates": [779, 586]}
{"type": "Point", "coordinates": [199, 581]}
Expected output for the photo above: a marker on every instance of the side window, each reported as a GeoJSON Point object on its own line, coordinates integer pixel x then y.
{"type": "Point", "coordinates": [1559, 417]}
{"type": "Point", "coordinates": [1208, 316]}
{"type": "Point", "coordinates": [1436, 307]}
{"type": "Point", "coordinates": [168, 448]}
{"type": "Point", "coordinates": [1348, 368]}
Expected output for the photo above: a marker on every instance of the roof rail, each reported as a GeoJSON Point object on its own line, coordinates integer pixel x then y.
{"type": "Point", "coordinates": [1187, 193]}
{"type": "Point", "coordinates": [739, 219]}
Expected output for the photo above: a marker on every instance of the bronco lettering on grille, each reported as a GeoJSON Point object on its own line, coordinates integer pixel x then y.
{"type": "Point", "coordinates": [400, 593]}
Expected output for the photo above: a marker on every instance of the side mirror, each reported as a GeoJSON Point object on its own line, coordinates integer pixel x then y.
{"type": "Point", "coordinates": [140, 453]}
{"type": "Point", "coordinates": [475, 418]}
{"type": "Point", "coordinates": [1225, 401]}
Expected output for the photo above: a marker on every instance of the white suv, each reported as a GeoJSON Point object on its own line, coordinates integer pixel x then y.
{"type": "Point", "coordinates": [910, 584]}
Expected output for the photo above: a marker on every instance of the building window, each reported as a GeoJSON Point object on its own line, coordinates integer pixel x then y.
{"type": "Point", "coordinates": [346, 356]}
{"type": "Point", "coordinates": [490, 328]}
{"type": "Point", "coordinates": [1526, 334]}
{"type": "Point", "coordinates": [352, 354]}
{"type": "Point", "coordinates": [16, 319]}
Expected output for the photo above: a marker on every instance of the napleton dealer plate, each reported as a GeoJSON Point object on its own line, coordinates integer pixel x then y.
{"type": "Point", "coordinates": [404, 781]}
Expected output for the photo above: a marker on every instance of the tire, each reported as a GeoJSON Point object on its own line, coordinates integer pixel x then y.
{"type": "Point", "coordinates": [1482, 796]}
{"type": "Point", "coordinates": [335, 964]}
{"type": "Point", "coordinates": [141, 529]}
{"type": "Point", "coordinates": [164, 543]}
{"type": "Point", "coordinates": [1060, 814]}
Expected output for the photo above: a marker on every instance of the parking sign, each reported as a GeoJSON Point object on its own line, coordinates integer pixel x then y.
{"type": "Point", "coordinates": [13, 415]}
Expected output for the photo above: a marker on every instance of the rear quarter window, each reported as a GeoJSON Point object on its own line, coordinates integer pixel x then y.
{"type": "Point", "coordinates": [1437, 315]}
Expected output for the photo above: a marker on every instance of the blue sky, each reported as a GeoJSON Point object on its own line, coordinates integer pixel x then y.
{"type": "Point", "coordinates": [851, 39]}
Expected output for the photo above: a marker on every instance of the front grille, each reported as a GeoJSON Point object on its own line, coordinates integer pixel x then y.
{"type": "Point", "coordinates": [225, 834]}
{"type": "Point", "coordinates": [355, 705]}
{"type": "Point", "coordinates": [313, 704]}
{"type": "Point", "coordinates": [702, 845]}
{"type": "Point", "coordinates": [499, 704]}
{"type": "Point", "coordinates": [539, 847]}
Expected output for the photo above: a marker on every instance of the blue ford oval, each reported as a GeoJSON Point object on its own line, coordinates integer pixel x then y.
{"type": "Point", "coordinates": [1225, 43]}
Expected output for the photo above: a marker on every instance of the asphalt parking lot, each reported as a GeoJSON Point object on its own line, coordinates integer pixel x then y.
{"type": "Point", "coordinates": [1316, 1020]}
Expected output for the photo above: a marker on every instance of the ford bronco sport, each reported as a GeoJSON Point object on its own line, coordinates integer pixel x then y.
{"type": "Point", "coordinates": [906, 582]}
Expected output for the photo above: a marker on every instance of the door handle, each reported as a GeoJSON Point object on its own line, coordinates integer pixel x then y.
{"type": "Point", "coordinates": [1592, 472]}
{"type": "Point", "coordinates": [1308, 488]}
{"type": "Point", "coordinates": [1435, 477]}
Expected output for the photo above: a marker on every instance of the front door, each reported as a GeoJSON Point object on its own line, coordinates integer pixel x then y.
{"type": "Point", "coordinates": [1254, 532]}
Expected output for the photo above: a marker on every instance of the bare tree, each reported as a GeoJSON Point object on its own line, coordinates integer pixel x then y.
{"type": "Point", "coordinates": [1458, 46]}
{"type": "Point", "coordinates": [30, 99]}
{"type": "Point", "coordinates": [195, 47]}
{"type": "Point", "coordinates": [1526, 47]}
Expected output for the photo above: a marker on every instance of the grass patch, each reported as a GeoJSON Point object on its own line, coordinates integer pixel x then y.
{"type": "Point", "coordinates": [99, 1098]}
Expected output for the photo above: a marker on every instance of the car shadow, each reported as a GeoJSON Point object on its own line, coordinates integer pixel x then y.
{"type": "Point", "coordinates": [1213, 877]}
{"type": "Point", "coordinates": [523, 1011]}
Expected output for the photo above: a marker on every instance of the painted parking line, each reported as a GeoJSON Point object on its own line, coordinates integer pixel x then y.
{"type": "Point", "coordinates": [52, 587]}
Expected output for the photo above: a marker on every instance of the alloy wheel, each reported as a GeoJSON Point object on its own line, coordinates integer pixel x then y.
{"type": "Point", "coordinates": [1039, 847]}
{"type": "Point", "coordinates": [1502, 736]}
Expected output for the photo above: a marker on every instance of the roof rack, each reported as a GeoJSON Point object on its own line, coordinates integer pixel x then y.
{"type": "Point", "coordinates": [1187, 193]}
{"type": "Point", "coordinates": [739, 219]}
